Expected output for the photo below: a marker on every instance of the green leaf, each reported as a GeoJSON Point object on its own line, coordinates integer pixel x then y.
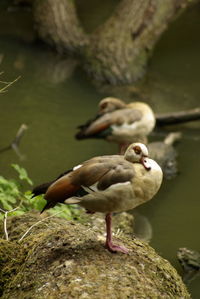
{"type": "Point", "coordinates": [16, 213]}
{"type": "Point", "coordinates": [6, 206]}
{"type": "Point", "coordinates": [23, 175]}
{"type": "Point", "coordinates": [67, 212]}
{"type": "Point", "coordinates": [38, 202]}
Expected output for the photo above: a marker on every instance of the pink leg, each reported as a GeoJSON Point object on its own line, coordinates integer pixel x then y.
{"type": "Point", "coordinates": [110, 246]}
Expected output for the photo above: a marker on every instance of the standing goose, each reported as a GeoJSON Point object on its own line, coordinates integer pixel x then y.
{"type": "Point", "coordinates": [108, 184]}
{"type": "Point", "coordinates": [119, 122]}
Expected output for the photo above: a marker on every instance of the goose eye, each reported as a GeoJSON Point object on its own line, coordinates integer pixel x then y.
{"type": "Point", "coordinates": [137, 150]}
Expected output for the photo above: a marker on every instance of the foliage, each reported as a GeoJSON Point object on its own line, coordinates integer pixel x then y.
{"type": "Point", "coordinates": [22, 173]}
{"type": "Point", "coordinates": [12, 196]}
{"type": "Point", "coordinates": [67, 212]}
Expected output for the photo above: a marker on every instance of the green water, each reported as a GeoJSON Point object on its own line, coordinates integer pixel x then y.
{"type": "Point", "coordinates": [53, 96]}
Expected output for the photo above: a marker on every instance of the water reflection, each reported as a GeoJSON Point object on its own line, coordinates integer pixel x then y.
{"type": "Point", "coordinates": [142, 227]}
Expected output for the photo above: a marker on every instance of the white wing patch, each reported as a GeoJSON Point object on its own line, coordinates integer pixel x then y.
{"type": "Point", "coordinates": [125, 126]}
{"type": "Point", "coordinates": [93, 188]}
{"type": "Point", "coordinates": [142, 126]}
{"type": "Point", "coordinates": [77, 167]}
{"type": "Point", "coordinates": [90, 189]}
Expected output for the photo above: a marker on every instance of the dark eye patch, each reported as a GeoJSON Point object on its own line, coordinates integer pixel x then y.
{"type": "Point", "coordinates": [137, 149]}
{"type": "Point", "coordinates": [104, 105]}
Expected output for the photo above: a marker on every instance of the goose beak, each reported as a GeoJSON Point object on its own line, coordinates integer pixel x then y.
{"type": "Point", "coordinates": [145, 163]}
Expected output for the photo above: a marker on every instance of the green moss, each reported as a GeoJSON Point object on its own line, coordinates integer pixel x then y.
{"type": "Point", "coordinates": [62, 259]}
{"type": "Point", "coordinates": [11, 258]}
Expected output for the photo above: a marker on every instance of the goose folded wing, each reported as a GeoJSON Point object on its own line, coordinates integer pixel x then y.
{"type": "Point", "coordinates": [118, 117]}
{"type": "Point", "coordinates": [100, 171]}
{"type": "Point", "coordinates": [84, 126]}
{"type": "Point", "coordinates": [104, 172]}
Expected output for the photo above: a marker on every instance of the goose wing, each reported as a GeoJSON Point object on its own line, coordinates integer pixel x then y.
{"type": "Point", "coordinates": [102, 125]}
{"type": "Point", "coordinates": [100, 171]}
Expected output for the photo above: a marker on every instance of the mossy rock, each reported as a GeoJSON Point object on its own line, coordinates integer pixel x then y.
{"type": "Point", "coordinates": [61, 259]}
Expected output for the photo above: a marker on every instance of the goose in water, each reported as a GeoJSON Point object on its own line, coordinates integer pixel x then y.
{"type": "Point", "coordinates": [119, 122]}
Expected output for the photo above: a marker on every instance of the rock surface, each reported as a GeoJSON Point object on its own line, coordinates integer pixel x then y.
{"type": "Point", "coordinates": [60, 259]}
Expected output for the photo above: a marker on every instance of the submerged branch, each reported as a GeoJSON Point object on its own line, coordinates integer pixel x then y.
{"type": "Point", "coordinates": [15, 143]}
{"type": "Point", "coordinates": [19, 134]}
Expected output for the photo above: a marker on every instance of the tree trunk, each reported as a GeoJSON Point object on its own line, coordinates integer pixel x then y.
{"type": "Point", "coordinates": [120, 48]}
{"type": "Point", "coordinates": [58, 25]}
{"type": "Point", "coordinates": [118, 51]}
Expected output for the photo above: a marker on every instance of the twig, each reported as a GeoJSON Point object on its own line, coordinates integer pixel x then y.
{"type": "Point", "coordinates": [5, 220]}
{"type": "Point", "coordinates": [5, 225]}
{"type": "Point", "coordinates": [24, 235]}
{"type": "Point", "coordinates": [8, 84]}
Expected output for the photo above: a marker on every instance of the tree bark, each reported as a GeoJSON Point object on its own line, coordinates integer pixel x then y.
{"type": "Point", "coordinates": [120, 48]}
{"type": "Point", "coordinates": [118, 51]}
{"type": "Point", "coordinates": [57, 24]}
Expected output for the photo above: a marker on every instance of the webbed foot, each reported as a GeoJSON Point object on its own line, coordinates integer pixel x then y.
{"type": "Point", "coordinates": [116, 248]}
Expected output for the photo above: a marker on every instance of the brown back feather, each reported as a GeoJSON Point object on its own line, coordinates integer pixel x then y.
{"type": "Point", "coordinates": [61, 189]}
{"type": "Point", "coordinates": [105, 171]}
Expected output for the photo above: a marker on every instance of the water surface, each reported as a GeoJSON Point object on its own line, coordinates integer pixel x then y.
{"type": "Point", "coordinates": [53, 96]}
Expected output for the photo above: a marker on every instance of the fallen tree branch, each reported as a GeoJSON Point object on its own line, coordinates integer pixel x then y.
{"type": "Point", "coordinates": [177, 117]}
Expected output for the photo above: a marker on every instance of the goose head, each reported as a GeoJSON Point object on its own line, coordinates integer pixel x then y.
{"type": "Point", "coordinates": [110, 104]}
{"type": "Point", "coordinates": [137, 153]}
